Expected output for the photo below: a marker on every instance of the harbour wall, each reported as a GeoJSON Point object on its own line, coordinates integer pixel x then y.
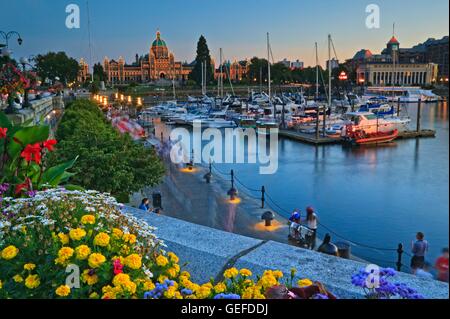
{"type": "Point", "coordinates": [209, 251]}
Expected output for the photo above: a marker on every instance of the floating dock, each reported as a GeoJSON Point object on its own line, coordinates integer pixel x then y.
{"type": "Point", "coordinates": [323, 140]}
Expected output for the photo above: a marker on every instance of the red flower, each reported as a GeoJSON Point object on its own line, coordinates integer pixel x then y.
{"type": "Point", "coordinates": [32, 152]}
{"type": "Point", "coordinates": [24, 186]}
{"type": "Point", "coordinates": [117, 267]}
{"type": "Point", "coordinates": [3, 132]}
{"type": "Point", "coordinates": [49, 144]}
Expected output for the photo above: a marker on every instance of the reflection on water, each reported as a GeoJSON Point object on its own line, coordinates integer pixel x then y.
{"type": "Point", "coordinates": [379, 195]}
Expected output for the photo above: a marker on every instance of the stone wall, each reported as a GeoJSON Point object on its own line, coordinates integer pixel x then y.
{"type": "Point", "coordinates": [38, 109]}
{"type": "Point", "coordinates": [209, 251]}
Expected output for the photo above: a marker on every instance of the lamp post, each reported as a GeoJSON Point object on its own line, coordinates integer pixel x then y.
{"type": "Point", "coordinates": [7, 36]}
{"type": "Point", "coordinates": [24, 62]}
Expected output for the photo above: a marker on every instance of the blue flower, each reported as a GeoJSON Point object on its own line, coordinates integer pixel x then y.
{"type": "Point", "coordinates": [227, 296]}
{"type": "Point", "coordinates": [186, 291]}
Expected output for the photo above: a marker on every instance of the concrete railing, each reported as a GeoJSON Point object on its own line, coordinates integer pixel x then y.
{"type": "Point", "coordinates": [38, 109]}
{"type": "Point", "coordinates": [209, 251]}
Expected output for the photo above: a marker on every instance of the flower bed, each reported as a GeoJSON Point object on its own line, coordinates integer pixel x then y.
{"type": "Point", "coordinates": [48, 240]}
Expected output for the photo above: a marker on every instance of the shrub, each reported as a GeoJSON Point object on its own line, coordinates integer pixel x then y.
{"type": "Point", "coordinates": [108, 161]}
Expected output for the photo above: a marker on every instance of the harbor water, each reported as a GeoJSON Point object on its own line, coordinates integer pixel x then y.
{"type": "Point", "coordinates": [373, 197]}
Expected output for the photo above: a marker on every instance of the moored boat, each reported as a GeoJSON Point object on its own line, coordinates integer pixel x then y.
{"type": "Point", "coordinates": [360, 137]}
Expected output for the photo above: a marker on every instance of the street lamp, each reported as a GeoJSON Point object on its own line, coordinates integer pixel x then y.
{"type": "Point", "coordinates": [7, 36]}
{"type": "Point", "coordinates": [24, 62]}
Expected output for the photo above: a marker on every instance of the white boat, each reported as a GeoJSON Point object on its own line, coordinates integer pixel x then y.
{"type": "Point", "coordinates": [264, 125]}
{"type": "Point", "coordinates": [215, 120]}
{"type": "Point", "coordinates": [370, 123]}
{"type": "Point", "coordinates": [406, 94]}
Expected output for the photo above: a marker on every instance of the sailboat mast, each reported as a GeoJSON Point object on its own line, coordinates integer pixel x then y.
{"type": "Point", "coordinates": [268, 65]}
{"type": "Point", "coordinates": [221, 76]}
{"type": "Point", "coordinates": [317, 94]}
{"type": "Point", "coordinates": [317, 74]}
{"type": "Point", "coordinates": [89, 39]}
{"type": "Point", "coordinates": [329, 86]}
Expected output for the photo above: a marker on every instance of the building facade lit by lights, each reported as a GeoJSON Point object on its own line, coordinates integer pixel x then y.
{"type": "Point", "coordinates": [83, 72]}
{"type": "Point", "coordinates": [391, 68]}
{"type": "Point", "coordinates": [158, 64]}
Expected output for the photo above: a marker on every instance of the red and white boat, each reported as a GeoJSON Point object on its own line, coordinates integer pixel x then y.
{"type": "Point", "coordinates": [360, 137]}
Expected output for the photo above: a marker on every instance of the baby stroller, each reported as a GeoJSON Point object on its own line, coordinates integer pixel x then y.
{"type": "Point", "coordinates": [300, 234]}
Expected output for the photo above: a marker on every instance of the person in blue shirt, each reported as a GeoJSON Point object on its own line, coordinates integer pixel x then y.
{"type": "Point", "coordinates": [145, 205]}
{"type": "Point", "coordinates": [419, 248]}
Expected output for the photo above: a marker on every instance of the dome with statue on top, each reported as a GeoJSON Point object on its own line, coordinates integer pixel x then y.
{"type": "Point", "coordinates": [159, 42]}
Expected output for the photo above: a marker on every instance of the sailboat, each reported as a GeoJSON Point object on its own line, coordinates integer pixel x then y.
{"type": "Point", "coordinates": [264, 125]}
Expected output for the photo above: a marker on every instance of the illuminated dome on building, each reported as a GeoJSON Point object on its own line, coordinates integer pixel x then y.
{"type": "Point", "coordinates": [158, 64]}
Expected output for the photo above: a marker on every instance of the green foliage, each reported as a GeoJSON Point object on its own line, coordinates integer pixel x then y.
{"type": "Point", "coordinates": [53, 65]}
{"type": "Point", "coordinates": [23, 150]}
{"type": "Point", "coordinates": [108, 161]}
{"type": "Point", "coordinates": [203, 56]}
{"type": "Point", "coordinates": [99, 73]}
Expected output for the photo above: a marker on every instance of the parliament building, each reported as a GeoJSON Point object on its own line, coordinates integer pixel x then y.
{"type": "Point", "coordinates": [159, 64]}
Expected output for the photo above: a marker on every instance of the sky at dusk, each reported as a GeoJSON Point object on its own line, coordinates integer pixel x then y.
{"type": "Point", "coordinates": [238, 26]}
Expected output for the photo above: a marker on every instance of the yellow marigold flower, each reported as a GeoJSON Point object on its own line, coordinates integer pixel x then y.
{"type": "Point", "coordinates": [133, 261]}
{"type": "Point", "coordinates": [65, 253]}
{"type": "Point", "coordinates": [89, 279]}
{"type": "Point", "coordinates": [304, 283]}
{"type": "Point", "coordinates": [94, 295]}
{"type": "Point", "coordinates": [203, 292]}
{"type": "Point", "coordinates": [18, 278]}
{"type": "Point", "coordinates": [148, 285]}
{"type": "Point", "coordinates": [24, 229]}
{"type": "Point", "coordinates": [162, 278]}
{"type": "Point", "coordinates": [117, 233]}
{"type": "Point", "coordinates": [231, 273]}
{"type": "Point", "coordinates": [96, 260]}
{"type": "Point", "coordinates": [77, 234]}
{"type": "Point", "coordinates": [172, 272]}
{"type": "Point", "coordinates": [63, 291]}
{"type": "Point", "coordinates": [129, 238]}
{"type": "Point", "coordinates": [173, 258]}
{"type": "Point", "coordinates": [268, 280]}
{"type": "Point", "coordinates": [109, 292]}
{"type": "Point", "coordinates": [178, 295]}
{"type": "Point", "coordinates": [1, 284]}
{"type": "Point", "coordinates": [124, 282]}
{"type": "Point", "coordinates": [9, 252]}
{"type": "Point", "coordinates": [29, 266]}
{"type": "Point", "coordinates": [63, 238]}
{"type": "Point", "coordinates": [102, 239]}
{"type": "Point", "coordinates": [170, 292]}
{"type": "Point", "coordinates": [32, 281]}
{"type": "Point", "coordinates": [88, 219]}
{"type": "Point", "coordinates": [245, 273]}
{"type": "Point", "coordinates": [162, 261]}
{"type": "Point", "coordinates": [121, 279]}
{"type": "Point", "coordinates": [82, 252]}
{"type": "Point", "coordinates": [185, 274]}
{"type": "Point", "coordinates": [277, 274]}
{"type": "Point", "coordinates": [219, 288]}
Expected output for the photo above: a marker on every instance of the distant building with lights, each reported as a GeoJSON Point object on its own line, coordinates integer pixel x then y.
{"type": "Point", "coordinates": [292, 65]}
{"type": "Point", "coordinates": [235, 71]}
{"type": "Point", "coordinates": [393, 67]}
{"type": "Point", "coordinates": [158, 64]}
{"type": "Point", "coordinates": [83, 72]}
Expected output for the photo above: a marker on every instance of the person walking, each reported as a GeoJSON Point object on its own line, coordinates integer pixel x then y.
{"type": "Point", "coordinates": [419, 248]}
{"type": "Point", "coordinates": [441, 266]}
{"type": "Point", "coordinates": [311, 223]}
